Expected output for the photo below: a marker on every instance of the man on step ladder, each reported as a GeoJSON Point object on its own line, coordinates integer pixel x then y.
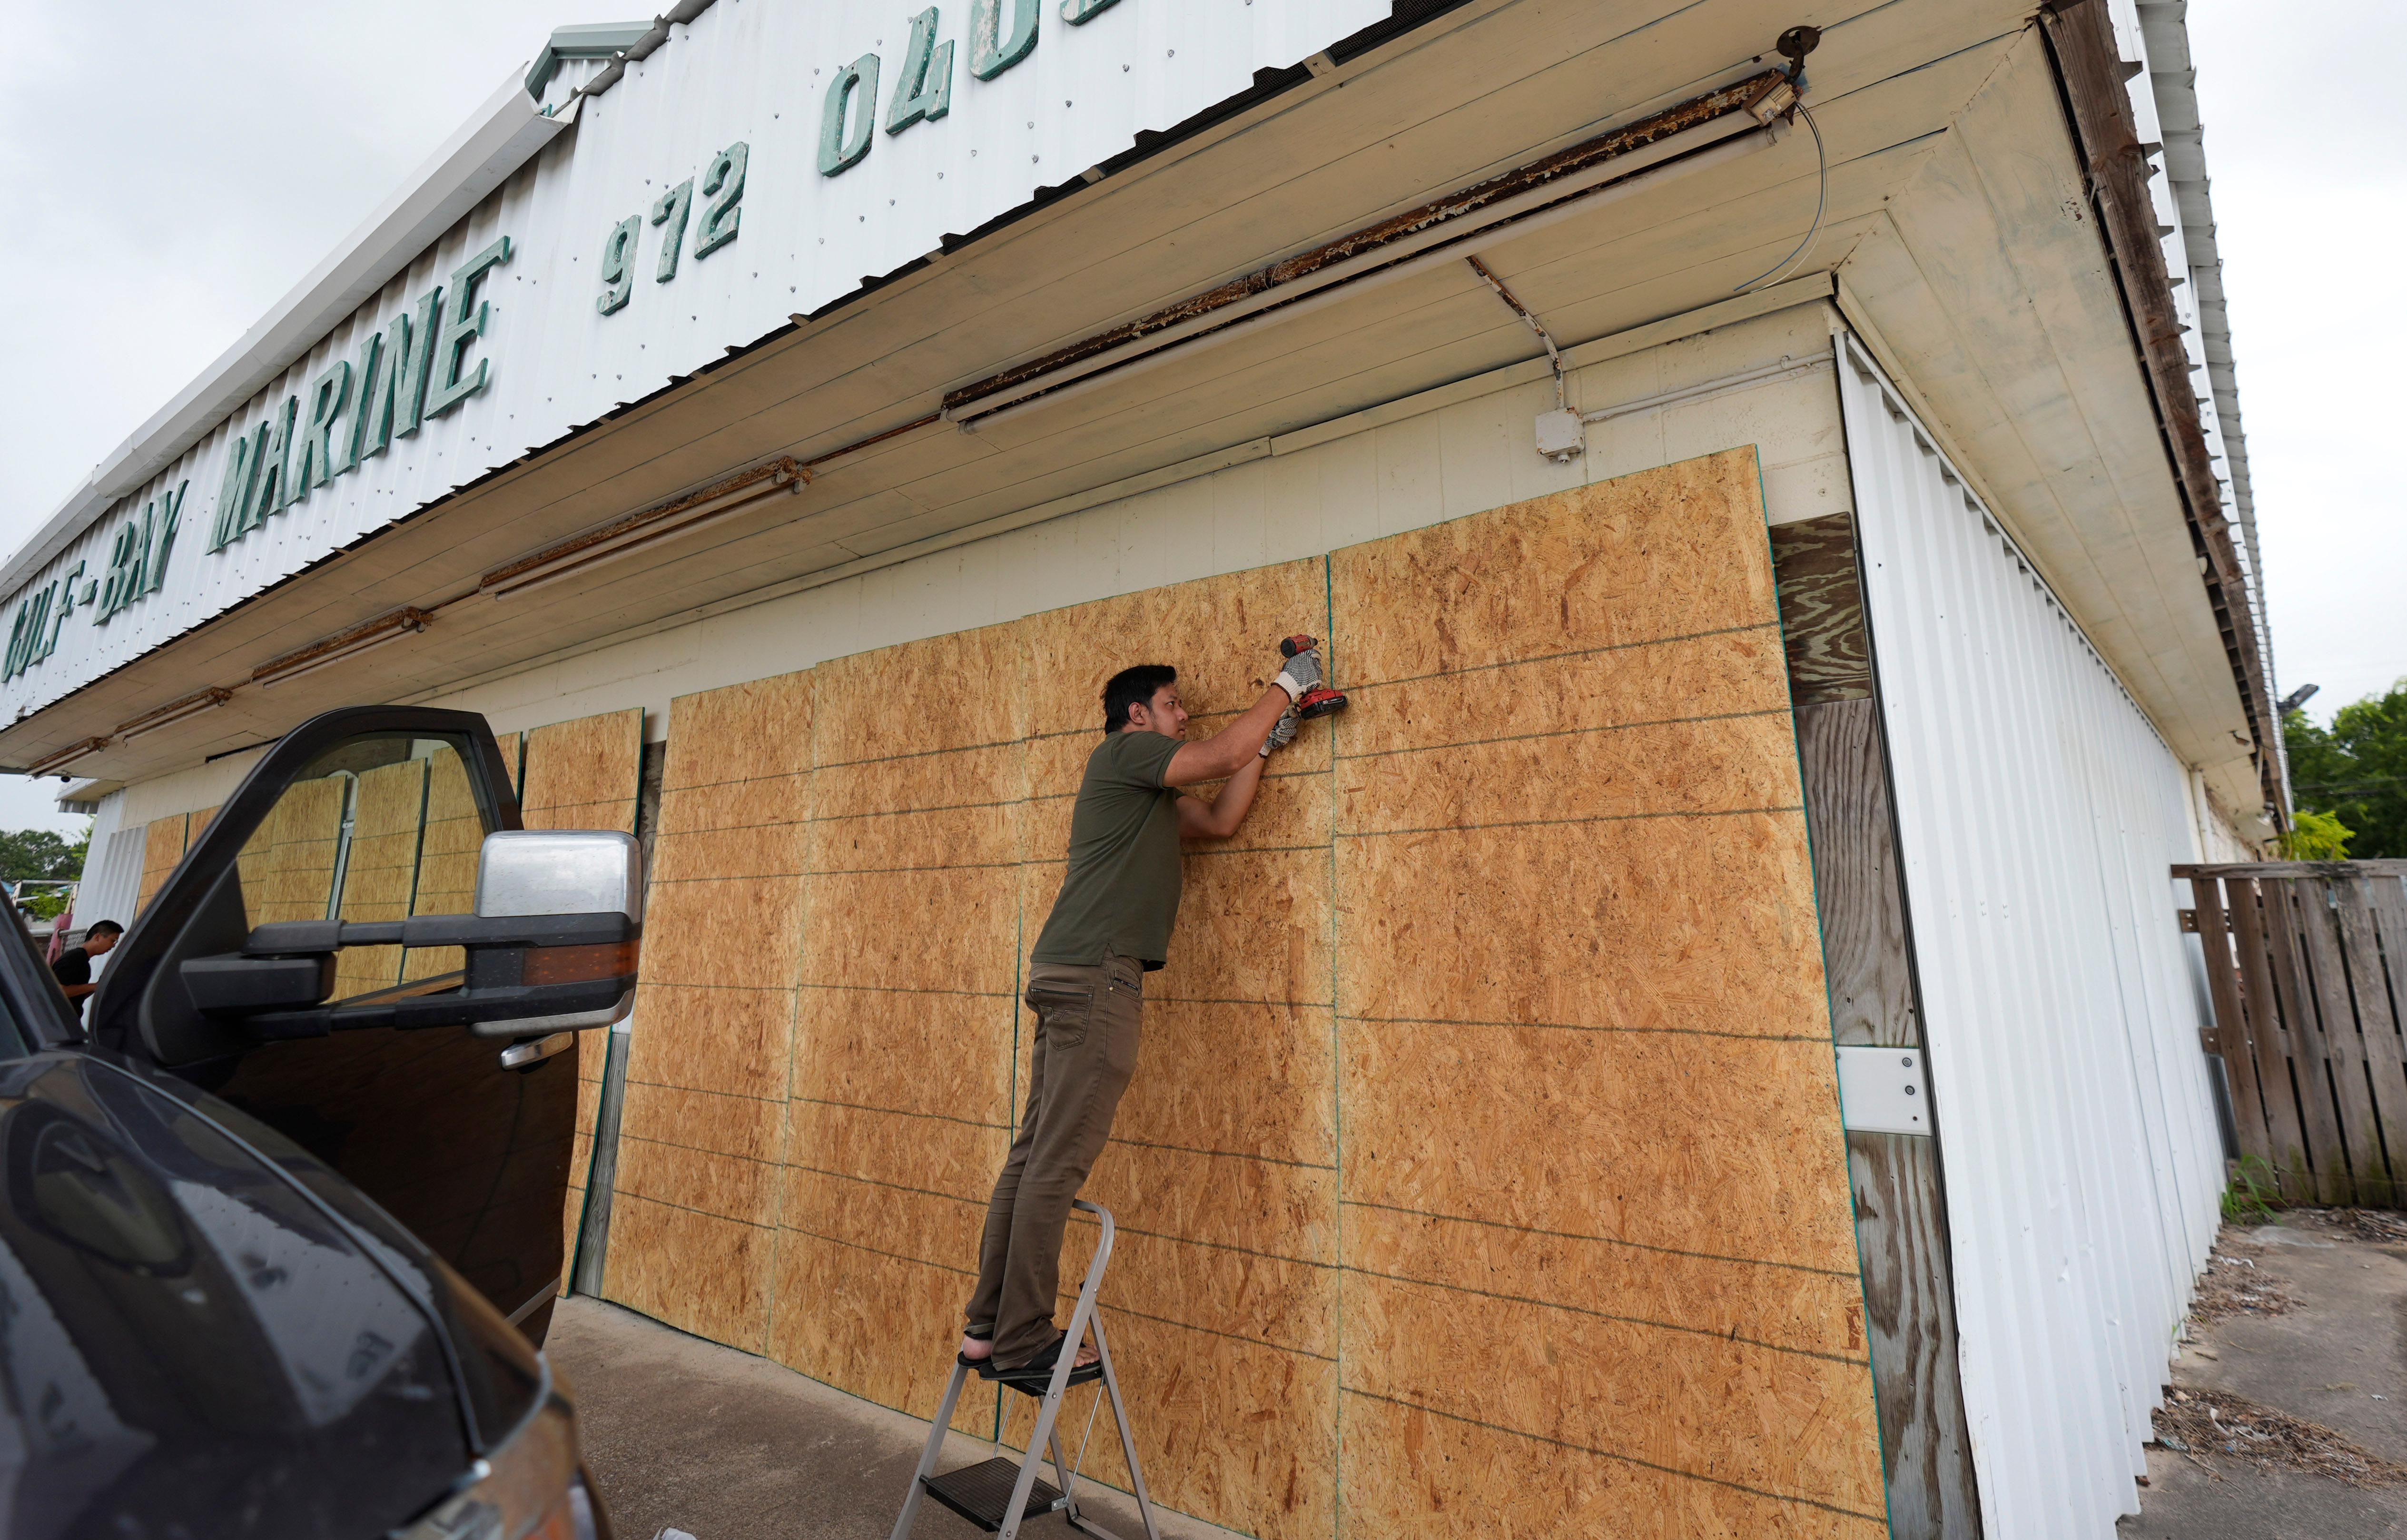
{"type": "Point", "coordinates": [1109, 927]}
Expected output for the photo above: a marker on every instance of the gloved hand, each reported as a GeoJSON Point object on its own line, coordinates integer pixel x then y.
{"type": "Point", "coordinates": [1282, 732]}
{"type": "Point", "coordinates": [1302, 672]}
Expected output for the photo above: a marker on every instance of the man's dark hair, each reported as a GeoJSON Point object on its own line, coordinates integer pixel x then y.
{"type": "Point", "coordinates": [1133, 687]}
{"type": "Point", "coordinates": [103, 927]}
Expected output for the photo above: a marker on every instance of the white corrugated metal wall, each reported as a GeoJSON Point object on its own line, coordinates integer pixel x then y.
{"type": "Point", "coordinates": [112, 870]}
{"type": "Point", "coordinates": [2038, 812]}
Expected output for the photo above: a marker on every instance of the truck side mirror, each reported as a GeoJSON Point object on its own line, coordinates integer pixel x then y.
{"type": "Point", "coordinates": [370, 873]}
{"type": "Point", "coordinates": [524, 872]}
{"type": "Point", "coordinates": [552, 948]}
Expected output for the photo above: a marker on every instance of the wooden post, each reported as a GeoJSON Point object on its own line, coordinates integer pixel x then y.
{"type": "Point", "coordinates": [1900, 1204]}
{"type": "Point", "coordinates": [2268, 1033]}
{"type": "Point", "coordinates": [2231, 1021]}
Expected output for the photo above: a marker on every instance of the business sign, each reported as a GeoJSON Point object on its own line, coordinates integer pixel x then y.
{"type": "Point", "coordinates": [765, 162]}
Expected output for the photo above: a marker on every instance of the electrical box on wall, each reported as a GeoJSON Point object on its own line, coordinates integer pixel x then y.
{"type": "Point", "coordinates": [1561, 436]}
{"type": "Point", "coordinates": [1883, 1091]}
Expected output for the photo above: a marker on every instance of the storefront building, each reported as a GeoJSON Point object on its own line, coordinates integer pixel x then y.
{"type": "Point", "coordinates": [1795, 578]}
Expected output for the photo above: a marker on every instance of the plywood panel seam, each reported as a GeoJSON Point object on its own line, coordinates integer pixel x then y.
{"type": "Point", "coordinates": [1615, 1455]}
{"type": "Point", "coordinates": [1223, 1154]}
{"type": "Point", "coordinates": [689, 1209]}
{"type": "Point", "coordinates": [930, 807]}
{"type": "Point", "coordinates": [1860, 1361]}
{"type": "Point", "coordinates": [878, 1251]}
{"type": "Point", "coordinates": [710, 1091]}
{"type": "Point", "coordinates": [1781, 712]}
{"type": "Point", "coordinates": [1561, 822]}
{"type": "Point", "coordinates": [1574, 1026]}
{"type": "Point", "coordinates": [699, 1149]}
{"type": "Point", "coordinates": [896, 871]}
{"type": "Point", "coordinates": [1337, 909]}
{"type": "Point", "coordinates": [880, 989]}
{"type": "Point", "coordinates": [1081, 1221]}
{"type": "Point", "coordinates": [1771, 625]}
{"type": "Point", "coordinates": [1850, 1275]}
{"type": "Point", "coordinates": [896, 1112]}
{"type": "Point", "coordinates": [1120, 1309]}
{"type": "Point", "coordinates": [1206, 853]}
{"type": "Point", "coordinates": [924, 753]}
{"type": "Point", "coordinates": [891, 1186]}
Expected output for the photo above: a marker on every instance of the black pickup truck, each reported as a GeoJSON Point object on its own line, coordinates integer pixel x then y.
{"type": "Point", "coordinates": [280, 1230]}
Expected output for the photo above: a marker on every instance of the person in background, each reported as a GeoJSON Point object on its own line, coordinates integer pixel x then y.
{"type": "Point", "coordinates": [73, 968]}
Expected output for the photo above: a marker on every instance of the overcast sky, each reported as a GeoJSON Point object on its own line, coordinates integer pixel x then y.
{"type": "Point", "coordinates": [173, 169]}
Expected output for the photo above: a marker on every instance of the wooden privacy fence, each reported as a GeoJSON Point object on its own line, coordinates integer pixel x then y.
{"type": "Point", "coordinates": [2307, 963]}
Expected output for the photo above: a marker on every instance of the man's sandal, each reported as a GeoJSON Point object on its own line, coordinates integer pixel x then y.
{"type": "Point", "coordinates": [1035, 1376]}
{"type": "Point", "coordinates": [981, 1332]}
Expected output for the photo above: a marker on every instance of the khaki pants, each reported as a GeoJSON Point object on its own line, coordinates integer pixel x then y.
{"type": "Point", "coordinates": [1086, 1051]}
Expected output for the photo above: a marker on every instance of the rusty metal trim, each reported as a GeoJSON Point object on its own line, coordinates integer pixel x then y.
{"type": "Point", "coordinates": [782, 472]}
{"type": "Point", "coordinates": [1729, 100]}
{"type": "Point", "coordinates": [214, 695]}
{"type": "Point", "coordinates": [66, 756]}
{"type": "Point", "coordinates": [407, 618]}
{"type": "Point", "coordinates": [2090, 71]}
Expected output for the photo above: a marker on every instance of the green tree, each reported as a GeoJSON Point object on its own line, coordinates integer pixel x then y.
{"type": "Point", "coordinates": [41, 854]}
{"type": "Point", "coordinates": [2315, 837]}
{"type": "Point", "coordinates": [2356, 770]}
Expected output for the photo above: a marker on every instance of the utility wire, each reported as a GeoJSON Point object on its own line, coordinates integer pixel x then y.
{"type": "Point", "coordinates": [1821, 205]}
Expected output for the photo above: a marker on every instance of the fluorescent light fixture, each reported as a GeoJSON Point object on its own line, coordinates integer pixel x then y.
{"type": "Point", "coordinates": [1442, 237]}
{"type": "Point", "coordinates": [342, 645]}
{"type": "Point", "coordinates": [640, 531]}
{"type": "Point", "coordinates": [50, 765]}
{"type": "Point", "coordinates": [181, 709]}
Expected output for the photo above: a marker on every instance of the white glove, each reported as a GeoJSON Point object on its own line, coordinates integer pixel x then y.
{"type": "Point", "coordinates": [1302, 672]}
{"type": "Point", "coordinates": [1282, 732]}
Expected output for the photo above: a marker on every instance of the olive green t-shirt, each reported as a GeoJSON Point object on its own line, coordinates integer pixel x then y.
{"type": "Point", "coordinates": [1122, 894]}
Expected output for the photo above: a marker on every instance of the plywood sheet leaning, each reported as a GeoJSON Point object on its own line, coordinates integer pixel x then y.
{"type": "Point", "coordinates": [380, 871]}
{"type": "Point", "coordinates": [1600, 1274]}
{"type": "Point", "coordinates": [581, 774]}
{"type": "Point", "coordinates": [1223, 1169]}
{"type": "Point", "coordinates": [163, 846]}
{"type": "Point", "coordinates": [451, 833]}
{"type": "Point", "coordinates": [702, 1131]}
{"type": "Point", "coordinates": [287, 866]}
{"type": "Point", "coordinates": [900, 1105]}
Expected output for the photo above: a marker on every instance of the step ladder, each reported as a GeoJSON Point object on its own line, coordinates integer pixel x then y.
{"type": "Point", "coordinates": [1001, 1493]}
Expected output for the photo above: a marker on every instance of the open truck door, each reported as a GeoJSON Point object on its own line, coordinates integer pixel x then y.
{"type": "Point", "coordinates": [364, 951]}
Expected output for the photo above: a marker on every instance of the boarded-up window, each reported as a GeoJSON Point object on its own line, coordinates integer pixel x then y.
{"type": "Point", "coordinates": [1486, 1104]}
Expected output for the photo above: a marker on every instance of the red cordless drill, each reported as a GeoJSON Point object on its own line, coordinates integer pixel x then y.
{"type": "Point", "coordinates": [1320, 700]}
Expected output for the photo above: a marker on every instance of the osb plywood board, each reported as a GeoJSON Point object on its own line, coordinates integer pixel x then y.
{"type": "Point", "coordinates": [1590, 1131]}
{"type": "Point", "coordinates": [452, 834]}
{"type": "Point", "coordinates": [380, 876]}
{"type": "Point", "coordinates": [1407, 1470]}
{"type": "Point", "coordinates": [163, 846]}
{"type": "Point", "coordinates": [287, 866]}
{"type": "Point", "coordinates": [1221, 634]}
{"type": "Point", "coordinates": [702, 1131]}
{"type": "Point", "coordinates": [588, 765]}
{"type": "Point", "coordinates": [1501, 1024]}
{"type": "Point", "coordinates": [582, 774]}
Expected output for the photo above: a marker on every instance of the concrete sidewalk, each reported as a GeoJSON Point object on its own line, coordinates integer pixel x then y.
{"type": "Point", "coordinates": [2319, 1333]}
{"type": "Point", "coordinates": [686, 1434]}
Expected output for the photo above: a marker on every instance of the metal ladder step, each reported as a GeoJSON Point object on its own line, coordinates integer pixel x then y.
{"type": "Point", "coordinates": [981, 1493]}
{"type": "Point", "coordinates": [1000, 1494]}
